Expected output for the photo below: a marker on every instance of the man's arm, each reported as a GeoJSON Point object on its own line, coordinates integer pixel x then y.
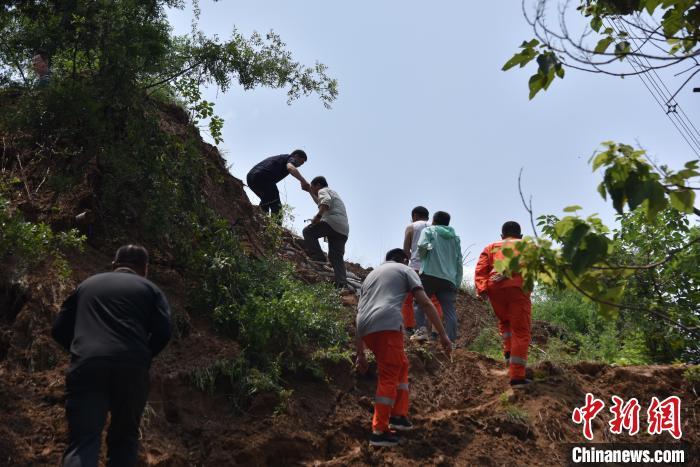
{"type": "Point", "coordinates": [361, 361]}
{"type": "Point", "coordinates": [160, 325]}
{"type": "Point", "coordinates": [322, 209]}
{"type": "Point", "coordinates": [482, 272]}
{"type": "Point", "coordinates": [407, 241]}
{"type": "Point", "coordinates": [429, 309]}
{"type": "Point", "coordinates": [63, 328]}
{"type": "Point", "coordinates": [294, 172]}
{"type": "Point", "coordinates": [423, 243]}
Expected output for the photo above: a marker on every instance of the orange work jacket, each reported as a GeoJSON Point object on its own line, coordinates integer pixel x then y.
{"type": "Point", "coordinates": [485, 273]}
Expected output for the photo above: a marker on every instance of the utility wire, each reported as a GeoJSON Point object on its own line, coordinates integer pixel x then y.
{"type": "Point", "coordinates": [669, 101]}
{"type": "Point", "coordinates": [672, 105]}
{"type": "Point", "coordinates": [658, 95]}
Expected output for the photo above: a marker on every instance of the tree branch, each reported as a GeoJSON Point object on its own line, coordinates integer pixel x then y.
{"type": "Point", "coordinates": [528, 207]}
{"type": "Point", "coordinates": [669, 257]}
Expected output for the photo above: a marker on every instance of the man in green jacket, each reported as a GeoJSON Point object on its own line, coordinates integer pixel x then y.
{"type": "Point", "coordinates": [441, 272]}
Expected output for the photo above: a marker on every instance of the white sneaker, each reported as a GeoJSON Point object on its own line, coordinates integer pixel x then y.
{"type": "Point", "coordinates": [421, 335]}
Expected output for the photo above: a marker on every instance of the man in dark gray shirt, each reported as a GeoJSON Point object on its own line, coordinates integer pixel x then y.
{"type": "Point", "coordinates": [379, 327]}
{"type": "Point", "coordinates": [113, 324]}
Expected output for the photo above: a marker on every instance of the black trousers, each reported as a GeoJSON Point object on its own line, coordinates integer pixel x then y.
{"type": "Point", "coordinates": [336, 248]}
{"type": "Point", "coordinates": [93, 390]}
{"type": "Point", "coordinates": [267, 191]}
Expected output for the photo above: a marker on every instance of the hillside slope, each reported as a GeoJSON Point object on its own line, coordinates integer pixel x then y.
{"type": "Point", "coordinates": [463, 408]}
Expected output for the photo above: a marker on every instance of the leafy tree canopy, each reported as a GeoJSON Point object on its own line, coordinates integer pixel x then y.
{"type": "Point", "coordinates": [125, 47]}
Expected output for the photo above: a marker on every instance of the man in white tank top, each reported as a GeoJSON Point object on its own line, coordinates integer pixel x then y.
{"type": "Point", "coordinates": [420, 220]}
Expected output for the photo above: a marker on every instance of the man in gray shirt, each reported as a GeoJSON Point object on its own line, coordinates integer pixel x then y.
{"type": "Point", "coordinates": [331, 222]}
{"type": "Point", "coordinates": [379, 327]}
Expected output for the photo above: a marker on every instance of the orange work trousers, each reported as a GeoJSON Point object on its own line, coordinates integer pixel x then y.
{"type": "Point", "coordinates": [513, 309]}
{"type": "Point", "coordinates": [391, 398]}
{"type": "Point", "coordinates": [409, 319]}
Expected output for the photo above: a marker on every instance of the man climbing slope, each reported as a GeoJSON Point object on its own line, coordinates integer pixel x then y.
{"type": "Point", "coordinates": [379, 328]}
{"type": "Point", "coordinates": [263, 178]}
{"type": "Point", "coordinates": [419, 221]}
{"type": "Point", "coordinates": [441, 271]}
{"type": "Point", "coordinates": [331, 222]}
{"type": "Point", "coordinates": [511, 304]}
{"type": "Point", "coordinates": [113, 324]}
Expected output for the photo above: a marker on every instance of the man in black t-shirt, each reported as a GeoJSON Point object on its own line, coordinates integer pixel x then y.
{"type": "Point", "coordinates": [263, 178]}
{"type": "Point", "coordinates": [113, 324]}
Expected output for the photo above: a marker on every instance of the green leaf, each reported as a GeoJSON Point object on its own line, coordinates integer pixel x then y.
{"type": "Point", "coordinates": [536, 83]}
{"type": "Point", "coordinates": [657, 200]}
{"type": "Point", "coordinates": [636, 191]}
{"type": "Point", "coordinates": [683, 200]}
{"type": "Point", "coordinates": [573, 208]}
{"type": "Point", "coordinates": [651, 5]}
{"type": "Point", "coordinates": [596, 23]}
{"type": "Point", "coordinates": [571, 243]}
{"type": "Point", "coordinates": [596, 248]}
{"type": "Point", "coordinates": [603, 45]}
{"type": "Point", "coordinates": [618, 198]}
{"type": "Point", "coordinates": [622, 49]}
{"type": "Point", "coordinates": [521, 58]}
{"type": "Point", "coordinates": [546, 61]}
{"type": "Point", "coordinates": [601, 159]}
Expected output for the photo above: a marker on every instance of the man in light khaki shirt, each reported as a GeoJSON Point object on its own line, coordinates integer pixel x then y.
{"type": "Point", "coordinates": [331, 222]}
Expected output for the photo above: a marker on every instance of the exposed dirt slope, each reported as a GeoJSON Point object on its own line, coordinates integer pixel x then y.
{"type": "Point", "coordinates": [463, 409]}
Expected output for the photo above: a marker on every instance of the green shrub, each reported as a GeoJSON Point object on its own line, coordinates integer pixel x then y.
{"type": "Point", "coordinates": [277, 319]}
{"type": "Point", "coordinates": [30, 243]}
{"type": "Point", "coordinates": [488, 343]}
{"type": "Point", "coordinates": [692, 374]}
{"type": "Point", "coordinates": [589, 336]}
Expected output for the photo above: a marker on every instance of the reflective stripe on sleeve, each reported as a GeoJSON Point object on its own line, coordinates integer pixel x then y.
{"type": "Point", "coordinates": [403, 387]}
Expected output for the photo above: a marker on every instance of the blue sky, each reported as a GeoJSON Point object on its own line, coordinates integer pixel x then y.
{"type": "Point", "coordinates": [426, 116]}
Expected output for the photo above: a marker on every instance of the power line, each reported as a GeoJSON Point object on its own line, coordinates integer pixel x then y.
{"type": "Point", "coordinates": [671, 109]}
{"type": "Point", "coordinates": [658, 95]}
{"type": "Point", "coordinates": [669, 92]}
{"type": "Point", "coordinates": [671, 104]}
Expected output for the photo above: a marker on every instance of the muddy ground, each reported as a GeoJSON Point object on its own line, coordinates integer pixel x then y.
{"type": "Point", "coordinates": [463, 409]}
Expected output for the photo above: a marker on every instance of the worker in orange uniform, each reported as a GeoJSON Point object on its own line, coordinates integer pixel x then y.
{"type": "Point", "coordinates": [379, 327]}
{"type": "Point", "coordinates": [510, 302]}
{"type": "Point", "coordinates": [419, 221]}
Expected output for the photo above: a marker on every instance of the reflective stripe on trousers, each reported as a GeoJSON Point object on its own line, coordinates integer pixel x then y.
{"type": "Point", "coordinates": [384, 400]}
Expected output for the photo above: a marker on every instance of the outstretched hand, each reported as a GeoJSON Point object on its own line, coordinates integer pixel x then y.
{"type": "Point", "coordinates": [446, 344]}
{"type": "Point", "coordinates": [498, 277]}
{"type": "Point", "coordinates": [361, 363]}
